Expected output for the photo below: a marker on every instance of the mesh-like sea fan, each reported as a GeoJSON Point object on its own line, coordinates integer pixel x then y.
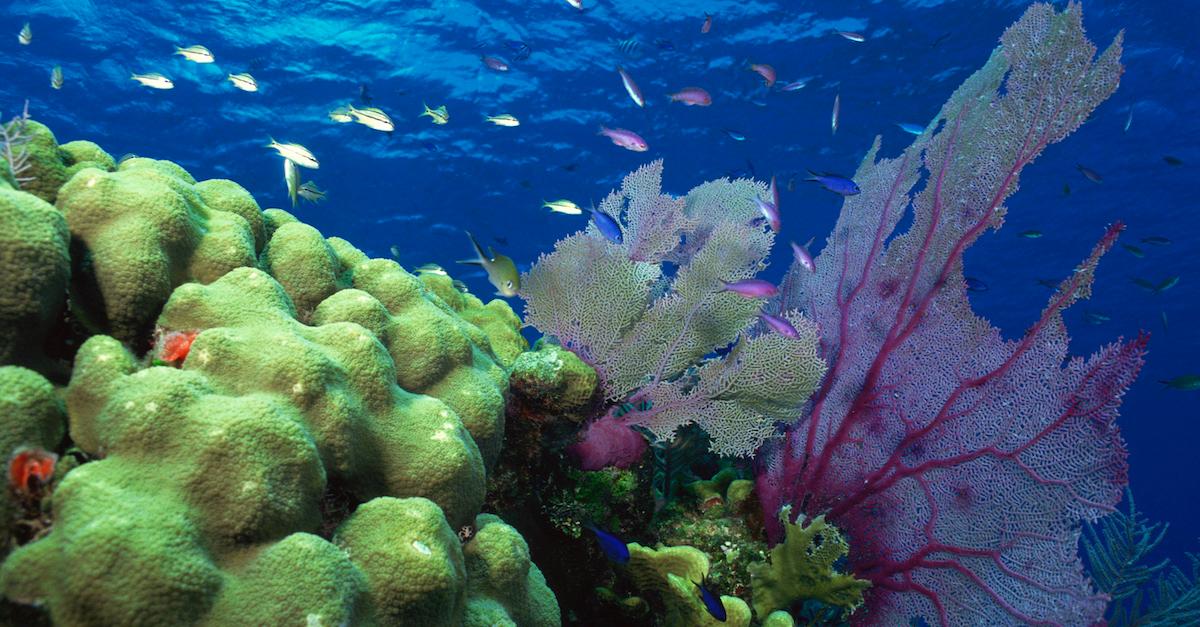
{"type": "Point", "coordinates": [652, 335]}
{"type": "Point", "coordinates": [960, 464]}
{"type": "Point", "coordinates": [14, 149]}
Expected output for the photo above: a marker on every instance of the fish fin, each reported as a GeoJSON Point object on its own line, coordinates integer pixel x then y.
{"type": "Point", "coordinates": [478, 250]}
{"type": "Point", "coordinates": [470, 262]}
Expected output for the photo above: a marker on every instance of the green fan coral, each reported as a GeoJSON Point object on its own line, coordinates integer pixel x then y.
{"type": "Point", "coordinates": [651, 338]}
{"type": "Point", "coordinates": [804, 568]}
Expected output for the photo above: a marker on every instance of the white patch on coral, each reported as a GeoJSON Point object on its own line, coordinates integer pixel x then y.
{"type": "Point", "coordinates": [298, 388]}
{"type": "Point", "coordinates": [248, 486]}
{"type": "Point", "coordinates": [129, 404]}
{"type": "Point", "coordinates": [204, 356]}
{"type": "Point", "coordinates": [92, 182]}
{"type": "Point", "coordinates": [104, 357]}
{"type": "Point", "coordinates": [421, 547]}
{"type": "Point", "coordinates": [152, 407]}
{"type": "Point", "coordinates": [313, 620]}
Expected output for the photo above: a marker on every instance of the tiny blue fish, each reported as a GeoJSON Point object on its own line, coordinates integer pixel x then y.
{"type": "Point", "coordinates": [910, 128]}
{"type": "Point", "coordinates": [975, 285]}
{"type": "Point", "coordinates": [612, 546]}
{"type": "Point", "coordinates": [608, 226]}
{"type": "Point", "coordinates": [734, 135]}
{"type": "Point", "coordinates": [834, 183]}
{"type": "Point", "coordinates": [664, 44]}
{"type": "Point", "coordinates": [712, 603]}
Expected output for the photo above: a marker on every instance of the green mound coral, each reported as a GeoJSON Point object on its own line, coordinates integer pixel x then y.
{"type": "Point", "coordinates": [553, 381]}
{"type": "Point", "coordinates": [145, 230]}
{"type": "Point", "coordinates": [32, 417]}
{"type": "Point", "coordinates": [804, 569]}
{"type": "Point", "coordinates": [318, 456]}
{"type": "Point", "coordinates": [34, 270]}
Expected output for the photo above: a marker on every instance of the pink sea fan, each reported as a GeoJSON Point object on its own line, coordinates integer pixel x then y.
{"type": "Point", "coordinates": [608, 441]}
{"type": "Point", "coordinates": [959, 464]}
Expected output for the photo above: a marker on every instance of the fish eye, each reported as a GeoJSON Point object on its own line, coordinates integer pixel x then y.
{"type": "Point", "coordinates": [508, 284]}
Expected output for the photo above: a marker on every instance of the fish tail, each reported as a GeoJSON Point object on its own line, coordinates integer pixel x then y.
{"type": "Point", "coordinates": [602, 130]}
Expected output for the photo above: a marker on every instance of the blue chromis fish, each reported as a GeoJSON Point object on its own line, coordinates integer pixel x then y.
{"type": "Point", "coordinates": [1186, 382]}
{"type": "Point", "coordinates": [974, 284]}
{"type": "Point", "coordinates": [614, 549]}
{"type": "Point", "coordinates": [1089, 173]}
{"type": "Point", "coordinates": [734, 135]}
{"type": "Point", "coordinates": [712, 602]}
{"type": "Point", "coordinates": [608, 226]}
{"type": "Point", "coordinates": [834, 183]}
{"type": "Point", "coordinates": [1030, 234]}
{"type": "Point", "coordinates": [1134, 250]}
{"type": "Point", "coordinates": [438, 115]}
{"type": "Point", "coordinates": [501, 271]}
{"type": "Point", "coordinates": [910, 128]}
{"type": "Point", "coordinates": [1156, 240]}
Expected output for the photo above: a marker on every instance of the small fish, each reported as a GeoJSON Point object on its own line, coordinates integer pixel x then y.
{"type": "Point", "coordinates": [613, 548]}
{"type": "Point", "coordinates": [692, 96]}
{"type": "Point", "coordinates": [243, 81]}
{"type": "Point", "coordinates": [504, 119]}
{"type": "Point", "coordinates": [1134, 250]}
{"type": "Point", "coordinates": [395, 250]}
{"type": "Point", "coordinates": [631, 87]}
{"type": "Point", "coordinates": [296, 153]}
{"type": "Point", "coordinates": [751, 288]}
{"type": "Point", "coordinates": [707, 26]}
{"type": "Point", "coordinates": [520, 50]}
{"type": "Point", "coordinates": [578, 4]}
{"type": "Point", "coordinates": [625, 408]}
{"type": "Point", "coordinates": [1167, 284]}
{"type": "Point", "coordinates": [664, 44]}
{"type": "Point", "coordinates": [154, 79]}
{"type": "Point", "coordinates": [974, 284]}
{"type": "Point", "coordinates": [460, 286]}
{"type": "Point", "coordinates": [712, 603]}
{"type": "Point", "coordinates": [803, 257]}
{"type": "Point", "coordinates": [341, 115]}
{"type": "Point", "coordinates": [779, 325]}
{"type": "Point", "coordinates": [1031, 234]}
{"type": "Point", "coordinates": [30, 468]}
{"type": "Point", "coordinates": [1144, 284]}
{"type": "Point", "coordinates": [26, 35]}
{"type": "Point", "coordinates": [834, 183]}
{"type": "Point", "coordinates": [765, 71]}
{"type": "Point", "coordinates": [1128, 120]}
{"type": "Point", "coordinates": [624, 138]}
{"type": "Point", "coordinates": [431, 268]}
{"type": "Point", "coordinates": [372, 117]}
{"type": "Point", "coordinates": [855, 37]}
{"type": "Point", "coordinates": [494, 63]}
{"type": "Point", "coordinates": [628, 47]}
{"type": "Point", "coordinates": [1186, 382]}
{"type": "Point", "coordinates": [501, 271]}
{"type": "Point", "coordinates": [837, 110]}
{"type": "Point", "coordinates": [1066, 189]}
{"type": "Point", "coordinates": [1095, 317]}
{"type": "Point", "coordinates": [1156, 240]}
{"type": "Point", "coordinates": [794, 85]}
{"type": "Point", "coordinates": [910, 128]}
{"type": "Point", "coordinates": [308, 191]}
{"type": "Point", "coordinates": [608, 226]}
{"type": "Point", "coordinates": [770, 211]}
{"type": "Point", "coordinates": [56, 77]}
{"type": "Point", "coordinates": [438, 115]}
{"type": "Point", "coordinates": [734, 135]}
{"type": "Point", "coordinates": [291, 176]}
{"type": "Point", "coordinates": [195, 54]}
{"type": "Point", "coordinates": [773, 191]}
{"type": "Point", "coordinates": [1172, 161]}
{"type": "Point", "coordinates": [1091, 174]}
{"type": "Point", "coordinates": [563, 206]}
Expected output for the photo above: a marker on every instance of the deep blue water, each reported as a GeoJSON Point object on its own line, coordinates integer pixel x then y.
{"type": "Point", "coordinates": [419, 189]}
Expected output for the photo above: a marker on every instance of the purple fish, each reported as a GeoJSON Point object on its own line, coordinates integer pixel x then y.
{"type": "Point", "coordinates": [770, 211]}
{"type": "Point", "coordinates": [608, 226]}
{"type": "Point", "coordinates": [802, 256]}
{"type": "Point", "coordinates": [624, 138]}
{"type": "Point", "coordinates": [834, 183]}
{"type": "Point", "coordinates": [692, 96]}
{"type": "Point", "coordinates": [494, 63]}
{"type": "Point", "coordinates": [752, 288]}
{"type": "Point", "coordinates": [774, 192]}
{"type": "Point", "coordinates": [780, 326]}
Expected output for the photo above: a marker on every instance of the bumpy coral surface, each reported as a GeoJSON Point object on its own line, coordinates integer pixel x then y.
{"type": "Point", "coordinates": [34, 268]}
{"type": "Point", "coordinates": [311, 453]}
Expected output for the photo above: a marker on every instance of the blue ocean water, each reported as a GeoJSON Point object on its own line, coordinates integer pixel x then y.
{"type": "Point", "coordinates": [418, 189]}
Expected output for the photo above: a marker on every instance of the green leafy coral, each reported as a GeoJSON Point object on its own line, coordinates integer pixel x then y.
{"type": "Point", "coordinates": [804, 567]}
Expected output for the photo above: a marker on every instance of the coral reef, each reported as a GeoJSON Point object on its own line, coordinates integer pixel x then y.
{"type": "Point", "coordinates": [959, 489]}
{"type": "Point", "coordinates": [263, 426]}
{"type": "Point", "coordinates": [649, 332]}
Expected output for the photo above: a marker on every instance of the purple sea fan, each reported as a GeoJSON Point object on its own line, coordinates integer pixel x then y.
{"type": "Point", "coordinates": [958, 463]}
{"type": "Point", "coordinates": [658, 339]}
